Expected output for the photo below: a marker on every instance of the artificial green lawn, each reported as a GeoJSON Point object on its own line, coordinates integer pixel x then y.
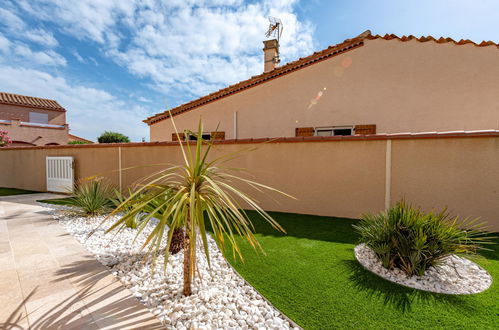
{"type": "Point", "coordinates": [312, 276]}
{"type": "Point", "coordinates": [14, 191]}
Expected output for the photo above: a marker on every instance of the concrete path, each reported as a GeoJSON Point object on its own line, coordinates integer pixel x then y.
{"type": "Point", "coordinates": [49, 281]}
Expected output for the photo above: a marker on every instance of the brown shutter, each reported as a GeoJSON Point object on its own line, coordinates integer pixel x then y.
{"type": "Point", "coordinates": [175, 137]}
{"type": "Point", "coordinates": [218, 135]}
{"type": "Point", "coordinates": [304, 131]}
{"type": "Point", "coordinates": [365, 129]}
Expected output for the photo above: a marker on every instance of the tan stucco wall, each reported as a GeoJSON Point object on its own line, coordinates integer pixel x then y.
{"type": "Point", "coordinates": [330, 178]}
{"type": "Point", "coordinates": [26, 169]}
{"type": "Point", "coordinates": [462, 174]}
{"type": "Point", "coordinates": [399, 86]}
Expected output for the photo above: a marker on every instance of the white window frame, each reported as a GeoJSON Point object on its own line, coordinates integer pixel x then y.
{"type": "Point", "coordinates": [38, 117]}
{"type": "Point", "coordinates": [332, 130]}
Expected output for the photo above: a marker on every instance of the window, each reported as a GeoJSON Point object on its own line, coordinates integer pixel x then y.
{"type": "Point", "coordinates": [193, 137]}
{"type": "Point", "coordinates": [39, 118]}
{"type": "Point", "coordinates": [205, 136]}
{"type": "Point", "coordinates": [333, 131]}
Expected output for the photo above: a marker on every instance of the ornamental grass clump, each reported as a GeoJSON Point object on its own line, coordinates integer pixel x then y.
{"type": "Point", "coordinates": [411, 240]}
{"type": "Point", "coordinates": [91, 197]}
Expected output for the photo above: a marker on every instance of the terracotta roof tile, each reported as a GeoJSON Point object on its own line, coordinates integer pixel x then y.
{"type": "Point", "coordinates": [440, 40]}
{"type": "Point", "coordinates": [329, 52]}
{"type": "Point", "coordinates": [30, 101]}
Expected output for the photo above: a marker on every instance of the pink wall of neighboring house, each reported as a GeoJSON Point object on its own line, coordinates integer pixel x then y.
{"type": "Point", "coordinates": [409, 86]}
{"type": "Point", "coordinates": [16, 121]}
{"type": "Point", "coordinates": [8, 111]}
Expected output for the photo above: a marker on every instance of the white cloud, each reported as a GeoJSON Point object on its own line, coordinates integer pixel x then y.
{"type": "Point", "coordinates": [49, 57]}
{"type": "Point", "coordinates": [16, 27]}
{"type": "Point", "coordinates": [90, 111]}
{"type": "Point", "coordinates": [78, 56]}
{"type": "Point", "coordinates": [10, 20]}
{"type": "Point", "coordinates": [144, 99]}
{"type": "Point", "coordinates": [186, 46]}
{"type": "Point", "coordinates": [4, 43]}
{"type": "Point", "coordinates": [41, 37]}
{"type": "Point", "coordinates": [18, 52]}
{"type": "Point", "coordinates": [93, 61]}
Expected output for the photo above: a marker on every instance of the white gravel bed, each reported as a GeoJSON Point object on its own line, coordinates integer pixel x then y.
{"type": "Point", "coordinates": [220, 297]}
{"type": "Point", "coordinates": [455, 275]}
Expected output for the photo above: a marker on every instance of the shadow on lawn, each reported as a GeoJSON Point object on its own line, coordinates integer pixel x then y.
{"type": "Point", "coordinates": [306, 226]}
{"type": "Point", "coordinates": [398, 296]}
{"type": "Point", "coordinates": [331, 229]}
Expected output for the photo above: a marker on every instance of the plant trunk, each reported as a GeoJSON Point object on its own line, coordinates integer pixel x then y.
{"type": "Point", "coordinates": [178, 241]}
{"type": "Point", "coordinates": [187, 261]}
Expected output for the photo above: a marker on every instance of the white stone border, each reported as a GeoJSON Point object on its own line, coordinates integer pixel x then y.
{"type": "Point", "coordinates": [455, 275]}
{"type": "Point", "coordinates": [221, 297]}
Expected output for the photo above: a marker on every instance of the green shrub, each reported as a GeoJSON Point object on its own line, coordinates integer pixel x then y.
{"type": "Point", "coordinates": [91, 197]}
{"type": "Point", "coordinates": [132, 222]}
{"type": "Point", "coordinates": [78, 142]}
{"type": "Point", "coordinates": [113, 137]}
{"type": "Point", "coordinates": [411, 240]}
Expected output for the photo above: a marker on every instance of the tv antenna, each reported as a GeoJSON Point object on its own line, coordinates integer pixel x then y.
{"type": "Point", "coordinates": [275, 28]}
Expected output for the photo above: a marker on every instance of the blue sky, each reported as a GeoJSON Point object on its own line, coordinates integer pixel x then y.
{"type": "Point", "coordinates": [113, 63]}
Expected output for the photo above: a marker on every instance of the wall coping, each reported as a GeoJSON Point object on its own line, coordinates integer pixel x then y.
{"type": "Point", "coordinates": [369, 137]}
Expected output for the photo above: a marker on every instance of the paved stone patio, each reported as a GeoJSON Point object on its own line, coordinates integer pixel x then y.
{"type": "Point", "coordinates": [49, 281]}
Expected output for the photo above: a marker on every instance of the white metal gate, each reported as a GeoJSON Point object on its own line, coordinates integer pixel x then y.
{"type": "Point", "coordinates": [60, 175]}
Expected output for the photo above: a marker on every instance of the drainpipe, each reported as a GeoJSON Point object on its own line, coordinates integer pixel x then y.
{"type": "Point", "coordinates": [388, 174]}
{"type": "Point", "coordinates": [119, 167]}
{"type": "Point", "coordinates": [235, 125]}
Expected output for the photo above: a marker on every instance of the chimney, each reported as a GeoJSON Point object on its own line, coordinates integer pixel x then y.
{"type": "Point", "coordinates": [270, 54]}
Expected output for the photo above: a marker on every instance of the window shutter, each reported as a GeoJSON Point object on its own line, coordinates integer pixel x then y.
{"type": "Point", "coordinates": [304, 131]}
{"type": "Point", "coordinates": [175, 137]}
{"type": "Point", "coordinates": [218, 135]}
{"type": "Point", "coordinates": [365, 129]}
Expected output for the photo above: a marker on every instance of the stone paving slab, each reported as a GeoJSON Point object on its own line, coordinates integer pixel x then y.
{"type": "Point", "coordinates": [49, 281]}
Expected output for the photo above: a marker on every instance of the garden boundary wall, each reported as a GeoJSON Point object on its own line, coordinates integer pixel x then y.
{"type": "Point", "coordinates": [329, 176]}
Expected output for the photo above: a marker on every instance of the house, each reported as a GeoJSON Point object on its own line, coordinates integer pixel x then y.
{"type": "Point", "coordinates": [33, 121]}
{"type": "Point", "coordinates": [365, 85]}
{"type": "Point", "coordinates": [75, 138]}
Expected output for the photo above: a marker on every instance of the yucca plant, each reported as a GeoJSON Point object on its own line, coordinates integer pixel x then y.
{"type": "Point", "coordinates": [188, 197]}
{"type": "Point", "coordinates": [92, 197]}
{"type": "Point", "coordinates": [155, 204]}
{"type": "Point", "coordinates": [118, 199]}
{"type": "Point", "coordinates": [411, 240]}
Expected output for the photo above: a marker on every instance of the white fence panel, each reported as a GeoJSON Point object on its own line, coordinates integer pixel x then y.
{"type": "Point", "coordinates": [60, 174]}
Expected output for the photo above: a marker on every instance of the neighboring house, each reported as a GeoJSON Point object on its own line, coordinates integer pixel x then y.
{"type": "Point", "coordinates": [365, 85]}
{"type": "Point", "coordinates": [78, 138]}
{"type": "Point", "coordinates": [33, 121]}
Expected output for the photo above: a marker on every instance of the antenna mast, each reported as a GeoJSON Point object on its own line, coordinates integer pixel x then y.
{"type": "Point", "coordinates": [275, 31]}
{"type": "Point", "coordinates": [275, 28]}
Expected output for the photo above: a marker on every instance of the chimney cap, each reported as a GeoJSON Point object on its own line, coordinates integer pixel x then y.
{"type": "Point", "coordinates": [272, 43]}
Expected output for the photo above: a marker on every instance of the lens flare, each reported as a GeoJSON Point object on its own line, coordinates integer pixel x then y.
{"type": "Point", "coordinates": [316, 99]}
{"type": "Point", "coordinates": [346, 62]}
